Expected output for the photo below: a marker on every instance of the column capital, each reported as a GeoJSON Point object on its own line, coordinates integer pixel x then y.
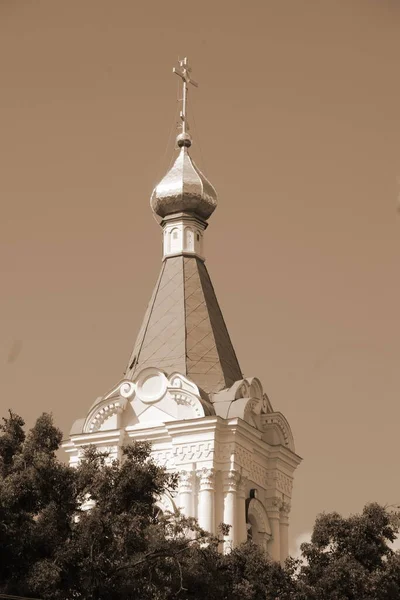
{"type": "Point", "coordinates": [285, 508]}
{"type": "Point", "coordinates": [185, 481]}
{"type": "Point", "coordinates": [274, 504]}
{"type": "Point", "coordinates": [231, 481]}
{"type": "Point", "coordinates": [207, 478]}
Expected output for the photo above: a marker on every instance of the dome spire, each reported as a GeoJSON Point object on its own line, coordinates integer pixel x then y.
{"type": "Point", "coordinates": [184, 71]}
{"type": "Point", "coordinates": [184, 189]}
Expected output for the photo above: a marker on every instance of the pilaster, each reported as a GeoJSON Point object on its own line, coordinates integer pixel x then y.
{"type": "Point", "coordinates": [273, 510]}
{"type": "Point", "coordinates": [206, 499]}
{"type": "Point", "coordinates": [185, 491]}
{"type": "Point", "coordinates": [241, 511]}
{"type": "Point", "coordinates": [284, 531]}
{"type": "Point", "coordinates": [231, 480]}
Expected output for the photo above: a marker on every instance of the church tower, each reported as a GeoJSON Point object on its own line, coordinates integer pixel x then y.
{"type": "Point", "coordinates": [183, 389]}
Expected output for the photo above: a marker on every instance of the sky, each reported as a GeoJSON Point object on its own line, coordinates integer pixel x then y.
{"type": "Point", "coordinates": [296, 123]}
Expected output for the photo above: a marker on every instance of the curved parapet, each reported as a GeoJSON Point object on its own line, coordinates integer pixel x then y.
{"type": "Point", "coordinates": [245, 409]}
{"type": "Point", "coordinates": [277, 430]}
{"type": "Point", "coordinates": [245, 399]}
{"type": "Point", "coordinates": [151, 397]}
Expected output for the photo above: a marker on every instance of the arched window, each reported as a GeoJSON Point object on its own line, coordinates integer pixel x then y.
{"type": "Point", "coordinates": [189, 239]}
{"type": "Point", "coordinates": [174, 247]}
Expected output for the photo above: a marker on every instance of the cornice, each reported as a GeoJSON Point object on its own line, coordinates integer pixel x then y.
{"type": "Point", "coordinates": [280, 453]}
{"type": "Point", "coordinates": [186, 216]}
{"type": "Point", "coordinates": [185, 253]}
{"type": "Point", "coordinates": [206, 424]}
{"type": "Point", "coordinates": [97, 437]}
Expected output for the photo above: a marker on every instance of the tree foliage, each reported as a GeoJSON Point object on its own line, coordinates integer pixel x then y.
{"type": "Point", "coordinates": [351, 558]}
{"type": "Point", "coordinates": [119, 549]}
{"type": "Point", "coordinates": [51, 548]}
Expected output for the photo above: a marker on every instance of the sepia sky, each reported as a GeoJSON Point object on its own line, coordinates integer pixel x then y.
{"type": "Point", "coordinates": [297, 125]}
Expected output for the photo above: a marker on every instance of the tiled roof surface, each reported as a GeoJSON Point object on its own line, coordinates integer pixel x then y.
{"type": "Point", "coordinates": [183, 329]}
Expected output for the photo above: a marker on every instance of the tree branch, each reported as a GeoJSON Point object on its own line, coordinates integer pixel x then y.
{"type": "Point", "coordinates": [181, 588]}
{"type": "Point", "coordinates": [154, 555]}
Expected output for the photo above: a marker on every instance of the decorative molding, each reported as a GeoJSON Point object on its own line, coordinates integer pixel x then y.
{"type": "Point", "coordinates": [195, 452]}
{"type": "Point", "coordinates": [178, 381]}
{"type": "Point", "coordinates": [278, 421]}
{"type": "Point", "coordinates": [285, 508]}
{"type": "Point", "coordinates": [243, 391]}
{"type": "Point", "coordinates": [187, 399]}
{"type": "Point", "coordinates": [101, 413]}
{"type": "Point", "coordinates": [266, 405]}
{"type": "Point", "coordinates": [252, 408]}
{"type": "Point", "coordinates": [183, 454]}
{"type": "Point", "coordinates": [245, 458]}
{"type": "Point", "coordinates": [127, 389]}
{"type": "Point", "coordinates": [242, 486]}
{"type": "Point", "coordinates": [261, 476]}
{"type": "Point", "coordinates": [164, 458]}
{"type": "Point", "coordinates": [283, 483]}
{"type": "Point", "coordinates": [223, 452]}
{"type": "Point", "coordinates": [151, 385]}
{"type": "Point", "coordinates": [256, 389]}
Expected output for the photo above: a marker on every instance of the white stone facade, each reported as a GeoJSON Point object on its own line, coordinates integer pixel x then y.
{"type": "Point", "coordinates": [235, 456]}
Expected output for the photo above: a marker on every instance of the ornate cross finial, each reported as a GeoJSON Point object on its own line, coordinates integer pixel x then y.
{"type": "Point", "coordinates": [183, 71]}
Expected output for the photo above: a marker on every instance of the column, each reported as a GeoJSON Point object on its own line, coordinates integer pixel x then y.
{"type": "Point", "coordinates": [185, 489]}
{"type": "Point", "coordinates": [284, 531]}
{"type": "Point", "coordinates": [231, 483]}
{"type": "Point", "coordinates": [273, 509]}
{"type": "Point", "coordinates": [206, 499]}
{"type": "Point", "coordinates": [241, 512]}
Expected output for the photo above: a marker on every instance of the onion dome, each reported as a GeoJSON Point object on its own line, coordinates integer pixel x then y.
{"type": "Point", "coordinates": [184, 188]}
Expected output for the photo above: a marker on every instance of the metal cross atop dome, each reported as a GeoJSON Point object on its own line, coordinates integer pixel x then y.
{"type": "Point", "coordinates": [183, 71]}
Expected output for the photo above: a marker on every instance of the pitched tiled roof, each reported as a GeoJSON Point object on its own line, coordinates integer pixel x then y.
{"type": "Point", "coordinates": [183, 329]}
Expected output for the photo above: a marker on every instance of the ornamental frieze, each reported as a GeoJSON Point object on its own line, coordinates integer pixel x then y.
{"type": "Point", "coordinates": [193, 452]}
{"type": "Point", "coordinates": [283, 483]}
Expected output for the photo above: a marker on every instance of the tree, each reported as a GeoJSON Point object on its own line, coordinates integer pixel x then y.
{"type": "Point", "coordinates": [351, 558]}
{"type": "Point", "coordinates": [51, 548]}
{"type": "Point", "coordinates": [120, 549]}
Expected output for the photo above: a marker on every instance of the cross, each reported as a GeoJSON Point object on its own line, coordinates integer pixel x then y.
{"type": "Point", "coordinates": [183, 71]}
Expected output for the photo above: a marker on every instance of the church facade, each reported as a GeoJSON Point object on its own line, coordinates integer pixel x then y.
{"type": "Point", "coordinates": [183, 389]}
